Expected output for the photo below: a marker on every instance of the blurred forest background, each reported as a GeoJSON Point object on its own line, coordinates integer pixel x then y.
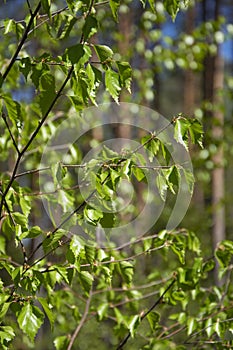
{"type": "Point", "coordinates": [184, 66]}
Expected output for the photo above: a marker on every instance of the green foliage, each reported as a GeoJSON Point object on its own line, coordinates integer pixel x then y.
{"type": "Point", "coordinates": [48, 271]}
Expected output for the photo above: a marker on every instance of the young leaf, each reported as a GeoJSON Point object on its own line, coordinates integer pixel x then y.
{"type": "Point", "coordinates": [112, 84]}
{"type": "Point", "coordinates": [125, 72]}
{"type": "Point", "coordinates": [75, 53]}
{"type": "Point", "coordinates": [114, 5]}
{"type": "Point", "coordinates": [196, 132]}
{"type": "Point", "coordinates": [76, 246]}
{"type": "Point", "coordinates": [25, 66]}
{"type": "Point", "coordinates": [161, 183]}
{"type": "Point", "coordinates": [153, 319]}
{"type": "Point", "coordinates": [86, 280]}
{"type": "Point", "coordinates": [172, 7]}
{"type": "Point", "coordinates": [47, 310]}
{"type": "Point", "coordinates": [13, 109]}
{"type": "Point", "coordinates": [90, 27]}
{"type": "Point", "coordinates": [46, 6]}
{"type": "Point", "coordinates": [30, 319]}
{"type": "Point", "coordinates": [127, 271]}
{"type": "Point", "coordinates": [191, 324]}
{"type": "Point", "coordinates": [61, 342]}
{"type": "Point", "coordinates": [102, 311]}
{"type": "Point", "coordinates": [103, 52]}
{"type": "Point", "coordinates": [133, 324]}
{"type": "Point", "coordinates": [6, 336]}
{"type": "Point", "coordinates": [180, 131]}
{"type": "Point", "coordinates": [90, 253]}
{"type": "Point", "coordinates": [48, 93]}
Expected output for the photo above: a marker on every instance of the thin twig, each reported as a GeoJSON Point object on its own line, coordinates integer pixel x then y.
{"type": "Point", "coordinates": [124, 341]}
{"type": "Point", "coordinates": [29, 7]}
{"type": "Point", "coordinates": [47, 19]}
{"type": "Point", "coordinates": [82, 321]}
{"type": "Point", "coordinates": [24, 38]}
{"type": "Point", "coordinates": [33, 171]}
{"type": "Point", "coordinates": [9, 130]}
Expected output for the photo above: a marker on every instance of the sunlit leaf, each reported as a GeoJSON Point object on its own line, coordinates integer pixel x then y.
{"type": "Point", "coordinates": [30, 319]}
{"type": "Point", "coordinates": [112, 84]}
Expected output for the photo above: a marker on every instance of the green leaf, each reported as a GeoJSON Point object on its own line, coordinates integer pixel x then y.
{"type": "Point", "coordinates": [47, 310]}
{"type": "Point", "coordinates": [112, 84]}
{"type": "Point", "coordinates": [2, 245]}
{"type": "Point", "coordinates": [90, 253]}
{"type": "Point", "coordinates": [30, 319]}
{"type": "Point", "coordinates": [173, 178]}
{"type": "Point", "coordinates": [161, 183]}
{"type": "Point", "coordinates": [92, 215]}
{"type": "Point", "coordinates": [48, 93]}
{"type": "Point", "coordinates": [104, 53]}
{"type": "Point", "coordinates": [153, 319]}
{"type": "Point", "coordinates": [75, 53]}
{"type": "Point", "coordinates": [25, 66]}
{"type": "Point", "coordinates": [90, 27]}
{"type": "Point", "coordinates": [125, 72]}
{"type": "Point", "coordinates": [172, 7]}
{"type": "Point", "coordinates": [20, 219]}
{"type": "Point", "coordinates": [189, 177]}
{"type": "Point", "coordinates": [65, 200]}
{"type": "Point", "coordinates": [51, 241]}
{"type": "Point", "coordinates": [25, 204]}
{"type": "Point", "coordinates": [102, 311]}
{"type": "Point", "coordinates": [179, 249]}
{"type": "Point", "coordinates": [114, 5]}
{"type": "Point", "coordinates": [76, 245]}
{"type": "Point", "coordinates": [196, 132]}
{"type": "Point", "coordinates": [6, 336]}
{"type": "Point", "coordinates": [209, 327]}
{"type": "Point", "coordinates": [181, 130]}
{"type": "Point", "coordinates": [191, 324]}
{"type": "Point", "coordinates": [127, 271]}
{"type": "Point", "coordinates": [138, 173]}
{"type": "Point", "coordinates": [224, 253]}
{"type": "Point", "coordinates": [86, 280]}
{"type": "Point", "coordinates": [13, 108]}
{"type": "Point", "coordinates": [133, 324]}
{"type": "Point", "coordinates": [61, 342]}
{"type": "Point", "coordinates": [4, 308]}
{"type": "Point", "coordinates": [74, 5]}
{"type": "Point", "coordinates": [46, 6]}
{"type": "Point", "coordinates": [34, 231]}
{"type": "Point", "coordinates": [193, 242]}
{"type": "Point", "coordinates": [108, 220]}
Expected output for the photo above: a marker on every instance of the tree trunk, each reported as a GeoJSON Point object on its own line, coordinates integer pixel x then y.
{"type": "Point", "coordinates": [212, 87]}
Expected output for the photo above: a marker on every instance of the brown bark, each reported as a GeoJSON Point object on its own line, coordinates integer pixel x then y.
{"type": "Point", "coordinates": [212, 86]}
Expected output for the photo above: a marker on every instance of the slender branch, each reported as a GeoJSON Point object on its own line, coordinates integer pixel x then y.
{"type": "Point", "coordinates": [24, 38]}
{"type": "Point", "coordinates": [144, 296]}
{"type": "Point", "coordinates": [9, 130]}
{"type": "Point", "coordinates": [124, 341]}
{"type": "Point", "coordinates": [143, 286]}
{"type": "Point", "coordinates": [154, 135]}
{"type": "Point", "coordinates": [29, 7]}
{"type": "Point", "coordinates": [33, 171]}
{"type": "Point", "coordinates": [47, 19]}
{"type": "Point", "coordinates": [81, 323]}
